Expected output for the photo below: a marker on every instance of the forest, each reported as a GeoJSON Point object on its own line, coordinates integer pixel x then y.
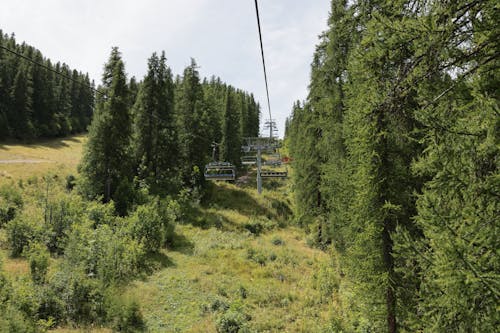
{"type": "Point", "coordinates": [388, 221]}
{"type": "Point", "coordinates": [396, 153]}
{"type": "Point", "coordinates": [36, 102]}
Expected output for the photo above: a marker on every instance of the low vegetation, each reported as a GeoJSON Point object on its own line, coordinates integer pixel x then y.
{"type": "Point", "coordinates": [227, 262]}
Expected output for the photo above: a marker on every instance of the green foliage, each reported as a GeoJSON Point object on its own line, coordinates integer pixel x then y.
{"type": "Point", "coordinates": [61, 211]}
{"type": "Point", "coordinates": [394, 154]}
{"type": "Point", "coordinates": [34, 102]}
{"type": "Point", "coordinates": [23, 230]}
{"type": "Point", "coordinates": [148, 228]}
{"type": "Point", "coordinates": [80, 296]}
{"type": "Point", "coordinates": [232, 321]}
{"type": "Point", "coordinates": [70, 182]}
{"type": "Point", "coordinates": [125, 315]}
{"type": "Point", "coordinates": [10, 202]}
{"type": "Point", "coordinates": [38, 257]}
{"type": "Point", "coordinates": [14, 321]}
{"type": "Point", "coordinates": [155, 136]}
{"type": "Point", "coordinates": [106, 162]}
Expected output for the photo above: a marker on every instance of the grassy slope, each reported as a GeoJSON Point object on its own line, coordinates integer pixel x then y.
{"type": "Point", "coordinates": [60, 156]}
{"type": "Point", "coordinates": [219, 260]}
{"type": "Point", "coordinates": [215, 260]}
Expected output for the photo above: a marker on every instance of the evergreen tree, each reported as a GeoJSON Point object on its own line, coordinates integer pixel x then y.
{"type": "Point", "coordinates": [155, 137]}
{"type": "Point", "coordinates": [106, 165]}
{"type": "Point", "coordinates": [231, 131]}
{"type": "Point", "coordinates": [21, 108]}
{"type": "Point", "coordinates": [193, 121]}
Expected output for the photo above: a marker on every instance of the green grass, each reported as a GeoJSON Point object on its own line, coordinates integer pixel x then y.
{"type": "Point", "coordinates": [59, 156]}
{"type": "Point", "coordinates": [235, 250]}
{"type": "Point", "coordinates": [269, 276]}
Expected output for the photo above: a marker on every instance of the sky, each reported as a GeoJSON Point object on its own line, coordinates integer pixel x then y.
{"type": "Point", "coordinates": [221, 35]}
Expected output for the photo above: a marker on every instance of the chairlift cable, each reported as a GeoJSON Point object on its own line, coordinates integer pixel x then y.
{"type": "Point", "coordinates": [50, 69]}
{"type": "Point", "coordinates": [263, 58]}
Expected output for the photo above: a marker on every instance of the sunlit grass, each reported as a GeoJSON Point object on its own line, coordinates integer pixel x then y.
{"type": "Point", "coordinates": [270, 275]}
{"type": "Point", "coordinates": [60, 156]}
{"type": "Point", "coordinates": [219, 254]}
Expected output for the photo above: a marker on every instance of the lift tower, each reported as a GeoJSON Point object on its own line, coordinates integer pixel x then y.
{"type": "Point", "coordinates": [260, 145]}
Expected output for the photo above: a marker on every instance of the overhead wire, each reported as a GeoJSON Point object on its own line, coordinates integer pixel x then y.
{"type": "Point", "coordinates": [263, 59]}
{"type": "Point", "coordinates": [50, 69]}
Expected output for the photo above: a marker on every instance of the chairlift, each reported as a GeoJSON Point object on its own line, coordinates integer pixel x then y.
{"type": "Point", "coordinates": [273, 174]}
{"type": "Point", "coordinates": [249, 160]}
{"type": "Point", "coordinates": [219, 170]}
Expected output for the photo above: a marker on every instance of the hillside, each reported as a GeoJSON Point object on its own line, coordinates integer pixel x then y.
{"type": "Point", "coordinates": [234, 256]}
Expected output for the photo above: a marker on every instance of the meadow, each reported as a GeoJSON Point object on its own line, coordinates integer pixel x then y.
{"type": "Point", "coordinates": [236, 256]}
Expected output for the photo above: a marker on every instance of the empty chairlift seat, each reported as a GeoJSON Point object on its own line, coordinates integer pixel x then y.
{"type": "Point", "coordinates": [249, 160]}
{"type": "Point", "coordinates": [273, 174]}
{"type": "Point", "coordinates": [220, 171]}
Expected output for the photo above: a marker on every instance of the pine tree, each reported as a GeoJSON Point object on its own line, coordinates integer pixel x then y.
{"type": "Point", "coordinates": [106, 166]}
{"type": "Point", "coordinates": [155, 136]}
{"type": "Point", "coordinates": [231, 134]}
{"type": "Point", "coordinates": [21, 109]}
{"type": "Point", "coordinates": [193, 121]}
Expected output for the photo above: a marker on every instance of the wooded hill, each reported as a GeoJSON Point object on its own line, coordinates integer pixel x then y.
{"type": "Point", "coordinates": [35, 101]}
{"type": "Point", "coordinates": [158, 134]}
{"type": "Point", "coordinates": [396, 163]}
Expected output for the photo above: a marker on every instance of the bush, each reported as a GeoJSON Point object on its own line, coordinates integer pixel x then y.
{"type": "Point", "coordinates": [61, 212]}
{"type": "Point", "coordinates": [106, 253]}
{"type": "Point", "coordinates": [232, 321]}
{"type": "Point", "coordinates": [81, 297]}
{"type": "Point", "coordinates": [119, 257]}
{"type": "Point", "coordinates": [14, 321]}
{"type": "Point", "coordinates": [100, 213]}
{"type": "Point", "coordinates": [25, 297]}
{"type": "Point", "coordinates": [125, 315]}
{"type": "Point", "coordinates": [70, 182]}
{"type": "Point", "coordinates": [38, 258]}
{"type": "Point", "coordinates": [10, 203]}
{"type": "Point", "coordinates": [124, 197]}
{"type": "Point", "coordinates": [147, 227]}
{"type": "Point", "coordinates": [23, 230]}
{"type": "Point", "coordinates": [277, 241]}
{"type": "Point", "coordinates": [255, 227]}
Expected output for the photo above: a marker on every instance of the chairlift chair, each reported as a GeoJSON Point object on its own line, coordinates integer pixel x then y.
{"type": "Point", "coordinates": [249, 160]}
{"type": "Point", "coordinates": [273, 174]}
{"type": "Point", "coordinates": [220, 171]}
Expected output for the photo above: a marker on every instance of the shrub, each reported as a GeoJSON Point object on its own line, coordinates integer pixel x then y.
{"type": "Point", "coordinates": [70, 182]}
{"type": "Point", "coordinates": [22, 230]}
{"type": "Point", "coordinates": [277, 241]}
{"type": "Point", "coordinates": [38, 258]}
{"type": "Point", "coordinates": [119, 257]}
{"type": "Point", "coordinates": [124, 197]}
{"type": "Point", "coordinates": [61, 212]}
{"type": "Point", "coordinates": [10, 203]}
{"type": "Point", "coordinates": [14, 321]}
{"type": "Point", "coordinates": [125, 314]}
{"type": "Point", "coordinates": [255, 227]}
{"type": "Point", "coordinates": [25, 298]}
{"type": "Point", "coordinates": [100, 213]}
{"type": "Point", "coordinates": [107, 253]}
{"type": "Point", "coordinates": [232, 321]}
{"type": "Point", "coordinates": [82, 297]}
{"type": "Point", "coordinates": [147, 227]}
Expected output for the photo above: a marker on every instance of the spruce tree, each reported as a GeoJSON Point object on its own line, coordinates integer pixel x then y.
{"type": "Point", "coordinates": [155, 136]}
{"type": "Point", "coordinates": [231, 130]}
{"type": "Point", "coordinates": [21, 109]}
{"type": "Point", "coordinates": [106, 164]}
{"type": "Point", "coordinates": [193, 122]}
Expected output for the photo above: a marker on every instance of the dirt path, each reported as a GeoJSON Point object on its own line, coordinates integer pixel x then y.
{"type": "Point", "coordinates": [27, 161]}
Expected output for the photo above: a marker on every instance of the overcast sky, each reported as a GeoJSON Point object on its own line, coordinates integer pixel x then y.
{"type": "Point", "coordinates": [221, 35]}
